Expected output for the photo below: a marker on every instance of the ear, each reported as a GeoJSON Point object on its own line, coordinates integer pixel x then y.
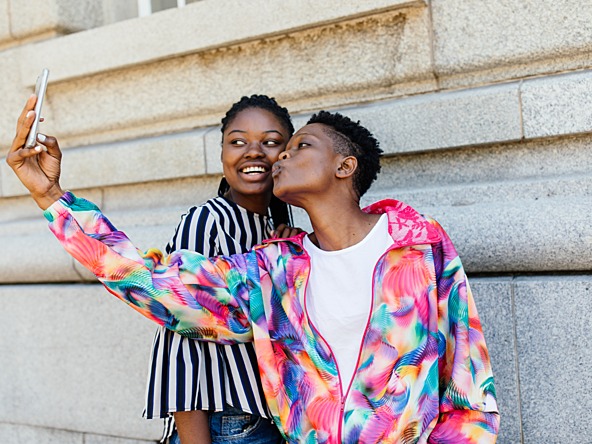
{"type": "Point", "coordinates": [347, 167]}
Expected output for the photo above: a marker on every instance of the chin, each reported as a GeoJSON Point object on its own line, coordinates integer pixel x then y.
{"type": "Point", "coordinates": [280, 193]}
{"type": "Point", "coordinates": [254, 189]}
{"type": "Point", "coordinates": [286, 196]}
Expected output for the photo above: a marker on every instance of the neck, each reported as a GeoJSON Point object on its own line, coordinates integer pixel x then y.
{"type": "Point", "coordinates": [339, 225]}
{"type": "Point", "coordinates": [256, 203]}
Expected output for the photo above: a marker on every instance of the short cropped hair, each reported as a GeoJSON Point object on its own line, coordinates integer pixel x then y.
{"type": "Point", "coordinates": [352, 139]}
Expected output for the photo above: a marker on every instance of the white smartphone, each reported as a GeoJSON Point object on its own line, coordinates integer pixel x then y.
{"type": "Point", "coordinates": [40, 93]}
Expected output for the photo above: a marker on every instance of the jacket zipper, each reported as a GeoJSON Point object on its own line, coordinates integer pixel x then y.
{"type": "Point", "coordinates": [344, 398]}
{"type": "Point", "coordinates": [363, 336]}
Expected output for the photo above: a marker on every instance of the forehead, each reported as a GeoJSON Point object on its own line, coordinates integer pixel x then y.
{"type": "Point", "coordinates": [315, 129]}
{"type": "Point", "coordinates": [323, 134]}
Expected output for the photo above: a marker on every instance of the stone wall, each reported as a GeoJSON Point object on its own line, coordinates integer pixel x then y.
{"type": "Point", "coordinates": [482, 109]}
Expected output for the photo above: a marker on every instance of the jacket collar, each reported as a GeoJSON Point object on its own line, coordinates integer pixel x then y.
{"type": "Point", "coordinates": [406, 226]}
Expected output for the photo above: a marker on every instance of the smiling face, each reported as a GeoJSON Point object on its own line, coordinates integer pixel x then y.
{"type": "Point", "coordinates": [309, 168]}
{"type": "Point", "coordinates": [251, 144]}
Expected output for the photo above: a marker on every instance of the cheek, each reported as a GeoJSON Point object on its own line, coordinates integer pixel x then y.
{"type": "Point", "coordinates": [273, 154]}
{"type": "Point", "coordinates": [228, 159]}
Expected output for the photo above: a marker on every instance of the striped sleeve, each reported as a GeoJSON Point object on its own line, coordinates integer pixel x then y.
{"type": "Point", "coordinates": [191, 375]}
{"type": "Point", "coordinates": [197, 231]}
{"type": "Point", "coordinates": [175, 361]}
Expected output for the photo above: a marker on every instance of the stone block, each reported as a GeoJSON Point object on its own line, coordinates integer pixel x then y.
{"type": "Point", "coordinates": [32, 254]}
{"type": "Point", "coordinates": [391, 51]}
{"type": "Point", "coordinates": [532, 163]}
{"type": "Point", "coordinates": [494, 300]}
{"type": "Point", "coordinates": [474, 35]}
{"type": "Point", "coordinates": [521, 235]}
{"type": "Point", "coordinates": [557, 105]}
{"type": "Point", "coordinates": [299, 120]}
{"type": "Point", "coordinates": [103, 439]}
{"type": "Point", "coordinates": [444, 120]}
{"type": "Point", "coordinates": [14, 96]}
{"type": "Point", "coordinates": [301, 219]}
{"type": "Point", "coordinates": [426, 122]}
{"type": "Point", "coordinates": [554, 353]}
{"type": "Point", "coordinates": [30, 18]}
{"type": "Point", "coordinates": [213, 150]}
{"type": "Point", "coordinates": [145, 40]}
{"type": "Point", "coordinates": [512, 207]}
{"type": "Point", "coordinates": [24, 209]}
{"type": "Point", "coordinates": [54, 16]}
{"type": "Point", "coordinates": [153, 159]}
{"type": "Point", "coordinates": [84, 369]}
{"type": "Point", "coordinates": [26, 434]}
{"type": "Point", "coordinates": [4, 21]}
{"type": "Point", "coordinates": [168, 197]}
{"type": "Point", "coordinates": [13, 209]}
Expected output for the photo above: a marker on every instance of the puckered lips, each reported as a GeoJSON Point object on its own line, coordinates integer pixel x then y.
{"type": "Point", "coordinates": [254, 171]}
{"type": "Point", "coordinates": [276, 168]}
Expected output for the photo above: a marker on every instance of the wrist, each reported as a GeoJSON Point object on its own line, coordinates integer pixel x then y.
{"type": "Point", "coordinates": [45, 200]}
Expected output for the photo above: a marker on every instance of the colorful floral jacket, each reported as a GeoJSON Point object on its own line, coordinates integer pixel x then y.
{"type": "Point", "coordinates": [423, 372]}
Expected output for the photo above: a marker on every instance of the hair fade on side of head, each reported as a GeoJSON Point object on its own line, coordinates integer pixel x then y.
{"type": "Point", "coordinates": [352, 139]}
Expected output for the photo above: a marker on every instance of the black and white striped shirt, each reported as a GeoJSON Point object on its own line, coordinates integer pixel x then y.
{"type": "Point", "coordinates": [186, 374]}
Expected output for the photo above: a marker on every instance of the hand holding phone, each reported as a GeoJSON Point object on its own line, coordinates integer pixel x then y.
{"type": "Point", "coordinates": [40, 93]}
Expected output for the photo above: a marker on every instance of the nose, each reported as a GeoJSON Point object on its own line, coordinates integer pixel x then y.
{"type": "Point", "coordinates": [255, 150]}
{"type": "Point", "coordinates": [284, 155]}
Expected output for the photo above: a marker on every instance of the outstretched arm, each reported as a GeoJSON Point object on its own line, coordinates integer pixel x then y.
{"type": "Point", "coordinates": [186, 292]}
{"type": "Point", "coordinates": [468, 407]}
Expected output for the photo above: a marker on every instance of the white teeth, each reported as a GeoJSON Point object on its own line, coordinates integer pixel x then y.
{"type": "Point", "coordinates": [253, 169]}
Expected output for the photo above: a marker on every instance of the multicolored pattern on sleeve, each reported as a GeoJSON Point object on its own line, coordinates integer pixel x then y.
{"type": "Point", "coordinates": [162, 288]}
{"type": "Point", "coordinates": [468, 407]}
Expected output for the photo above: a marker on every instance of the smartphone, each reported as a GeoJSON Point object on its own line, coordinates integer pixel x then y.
{"type": "Point", "coordinates": [40, 93]}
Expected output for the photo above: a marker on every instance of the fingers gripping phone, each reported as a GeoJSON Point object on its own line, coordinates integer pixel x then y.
{"type": "Point", "coordinates": [40, 93]}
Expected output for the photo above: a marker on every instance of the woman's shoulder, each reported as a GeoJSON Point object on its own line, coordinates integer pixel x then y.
{"type": "Point", "coordinates": [227, 209]}
{"type": "Point", "coordinates": [224, 216]}
{"type": "Point", "coordinates": [206, 208]}
{"type": "Point", "coordinates": [198, 214]}
{"type": "Point", "coordinates": [217, 210]}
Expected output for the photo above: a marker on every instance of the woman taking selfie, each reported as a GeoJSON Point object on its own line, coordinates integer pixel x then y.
{"type": "Point", "coordinates": [383, 344]}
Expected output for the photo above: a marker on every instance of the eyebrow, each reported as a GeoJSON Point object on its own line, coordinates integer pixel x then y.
{"type": "Point", "coordinates": [305, 134]}
{"type": "Point", "coordinates": [265, 132]}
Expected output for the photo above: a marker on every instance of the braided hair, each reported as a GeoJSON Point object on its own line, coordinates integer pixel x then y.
{"type": "Point", "coordinates": [280, 211]}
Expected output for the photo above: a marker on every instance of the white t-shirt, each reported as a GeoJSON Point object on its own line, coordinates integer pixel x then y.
{"type": "Point", "coordinates": [339, 294]}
